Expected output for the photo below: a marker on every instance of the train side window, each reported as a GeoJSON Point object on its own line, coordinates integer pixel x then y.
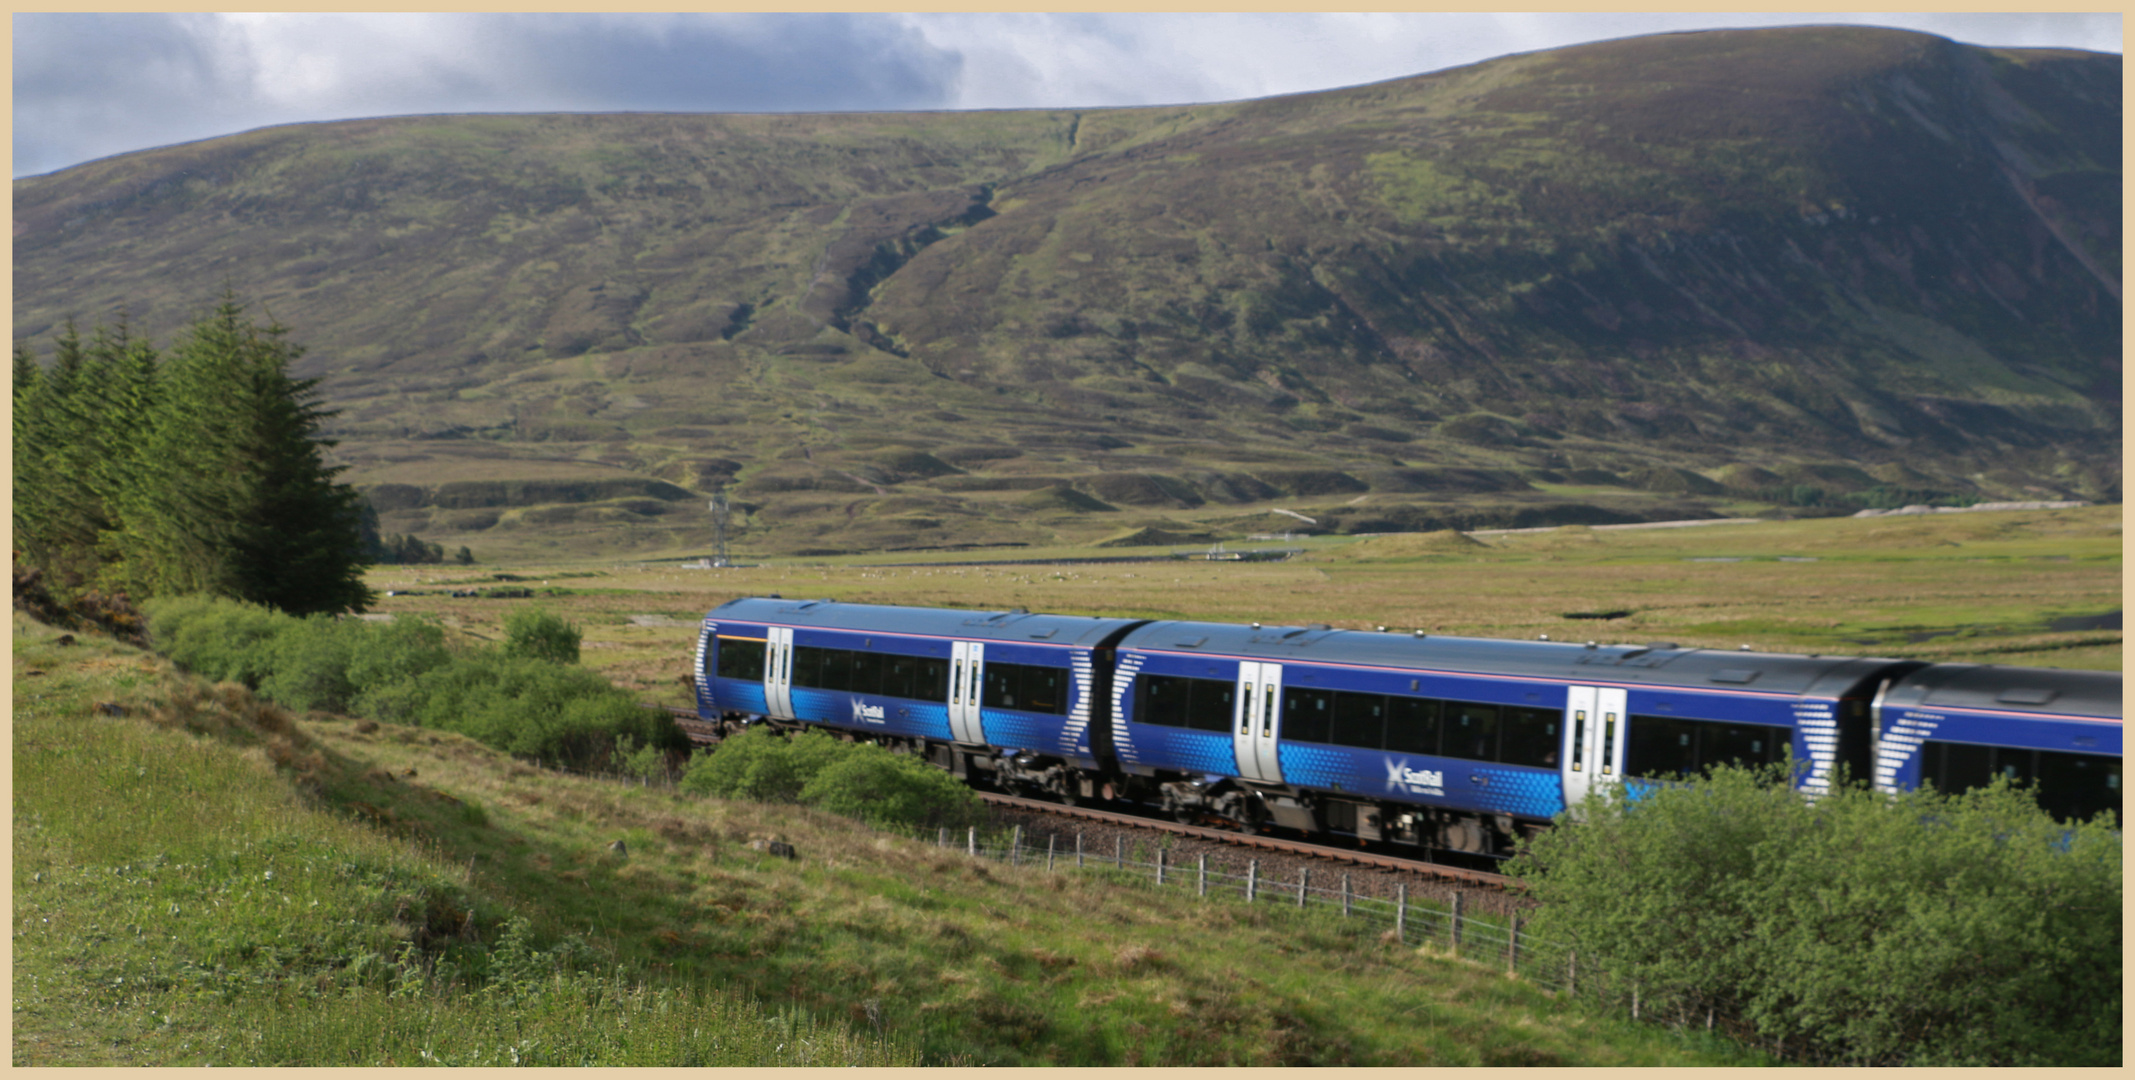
{"type": "Point", "coordinates": [1740, 744]}
{"type": "Point", "coordinates": [1661, 747]}
{"type": "Point", "coordinates": [1359, 720]}
{"type": "Point", "coordinates": [1529, 737]}
{"type": "Point", "coordinates": [1044, 688]}
{"type": "Point", "coordinates": [2078, 787]}
{"type": "Point", "coordinates": [1000, 690]}
{"type": "Point", "coordinates": [740, 659]}
{"type": "Point", "coordinates": [836, 672]}
{"type": "Point", "coordinates": [1307, 715]}
{"type": "Point", "coordinates": [897, 672]}
{"type": "Point", "coordinates": [1956, 766]}
{"type": "Point", "coordinates": [1162, 700]}
{"type": "Point", "coordinates": [1471, 731]}
{"type": "Point", "coordinates": [807, 666]}
{"type": "Point", "coordinates": [1412, 725]}
{"type": "Point", "coordinates": [931, 681]}
{"type": "Point", "coordinates": [1210, 704]}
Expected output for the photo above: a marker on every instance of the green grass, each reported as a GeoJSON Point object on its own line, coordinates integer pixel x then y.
{"type": "Point", "coordinates": [333, 892]}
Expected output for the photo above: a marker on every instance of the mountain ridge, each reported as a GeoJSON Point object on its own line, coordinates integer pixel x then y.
{"type": "Point", "coordinates": [1642, 258]}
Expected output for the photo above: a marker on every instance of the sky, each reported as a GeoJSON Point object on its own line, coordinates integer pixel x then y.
{"type": "Point", "coordinates": [92, 85]}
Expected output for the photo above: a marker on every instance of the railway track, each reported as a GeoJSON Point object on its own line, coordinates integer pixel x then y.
{"type": "Point", "coordinates": [705, 734]}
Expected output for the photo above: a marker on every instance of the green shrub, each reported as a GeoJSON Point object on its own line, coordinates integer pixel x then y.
{"type": "Point", "coordinates": [890, 789]}
{"type": "Point", "coordinates": [761, 766]}
{"type": "Point", "coordinates": [539, 635]}
{"type": "Point", "coordinates": [216, 639]}
{"type": "Point", "coordinates": [307, 663]}
{"type": "Point", "coordinates": [386, 661]}
{"type": "Point", "coordinates": [1863, 929]}
{"type": "Point", "coordinates": [859, 780]}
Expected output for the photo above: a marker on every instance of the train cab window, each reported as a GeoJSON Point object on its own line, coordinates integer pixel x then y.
{"type": "Point", "coordinates": [1307, 714]}
{"type": "Point", "coordinates": [1471, 731]}
{"type": "Point", "coordinates": [741, 659]}
{"type": "Point", "coordinates": [1412, 725]}
{"type": "Point", "coordinates": [1359, 720]}
{"type": "Point", "coordinates": [1529, 736]}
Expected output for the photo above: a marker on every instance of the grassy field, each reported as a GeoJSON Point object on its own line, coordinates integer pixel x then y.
{"type": "Point", "coordinates": [200, 878]}
{"type": "Point", "coordinates": [1981, 588]}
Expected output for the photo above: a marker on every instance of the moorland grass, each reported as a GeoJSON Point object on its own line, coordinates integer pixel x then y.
{"type": "Point", "coordinates": [1979, 588]}
{"type": "Point", "coordinates": [221, 882]}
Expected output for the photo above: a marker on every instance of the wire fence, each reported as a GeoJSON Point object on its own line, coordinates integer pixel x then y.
{"type": "Point", "coordinates": [1401, 919]}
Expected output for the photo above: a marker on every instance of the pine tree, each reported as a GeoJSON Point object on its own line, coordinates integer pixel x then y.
{"type": "Point", "coordinates": [234, 496]}
{"type": "Point", "coordinates": [57, 515]}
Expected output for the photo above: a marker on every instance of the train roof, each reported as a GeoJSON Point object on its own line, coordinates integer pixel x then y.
{"type": "Point", "coordinates": [1997, 688]}
{"type": "Point", "coordinates": [1657, 664]}
{"type": "Point", "coordinates": [1015, 625]}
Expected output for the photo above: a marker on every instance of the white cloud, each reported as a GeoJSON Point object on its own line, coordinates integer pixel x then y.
{"type": "Point", "coordinates": [92, 85]}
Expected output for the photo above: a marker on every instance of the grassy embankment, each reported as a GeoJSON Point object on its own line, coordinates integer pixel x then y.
{"type": "Point", "coordinates": [299, 892]}
{"type": "Point", "coordinates": [1980, 588]}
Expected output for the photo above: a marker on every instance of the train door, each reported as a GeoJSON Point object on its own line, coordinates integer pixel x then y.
{"type": "Point", "coordinates": [967, 659]}
{"type": "Point", "coordinates": [778, 672]}
{"type": "Point", "coordinates": [1594, 730]}
{"type": "Point", "coordinates": [1258, 721]}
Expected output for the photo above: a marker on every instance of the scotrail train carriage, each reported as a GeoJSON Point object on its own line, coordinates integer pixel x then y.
{"type": "Point", "coordinates": [1958, 726]}
{"type": "Point", "coordinates": [1456, 742]}
{"type": "Point", "coordinates": [1007, 693]}
{"type": "Point", "coordinates": [1461, 743]}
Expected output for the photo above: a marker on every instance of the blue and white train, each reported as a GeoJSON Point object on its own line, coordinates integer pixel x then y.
{"type": "Point", "coordinates": [1446, 742]}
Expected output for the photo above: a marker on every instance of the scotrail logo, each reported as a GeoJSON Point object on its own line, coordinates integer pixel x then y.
{"type": "Point", "coordinates": [870, 713]}
{"type": "Point", "coordinates": [1399, 777]}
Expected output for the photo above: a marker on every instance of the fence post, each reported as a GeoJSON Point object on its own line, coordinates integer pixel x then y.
{"type": "Point", "coordinates": [1454, 930]}
{"type": "Point", "coordinates": [971, 841]}
{"type": "Point", "coordinates": [1571, 975]}
{"type": "Point", "coordinates": [943, 840]}
{"type": "Point", "coordinates": [1634, 1001]}
{"type": "Point", "coordinates": [1252, 878]}
{"type": "Point", "coordinates": [1119, 853]}
{"type": "Point", "coordinates": [1401, 912]}
{"type": "Point", "coordinates": [1345, 895]}
{"type": "Point", "coordinates": [1512, 946]}
{"type": "Point", "coordinates": [1302, 875]}
{"type": "Point", "coordinates": [1051, 839]}
{"type": "Point", "coordinates": [1160, 866]}
{"type": "Point", "coordinates": [1202, 888]}
{"type": "Point", "coordinates": [1015, 846]}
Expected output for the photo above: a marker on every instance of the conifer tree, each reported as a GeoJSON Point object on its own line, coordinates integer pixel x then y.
{"type": "Point", "coordinates": [233, 496]}
{"type": "Point", "coordinates": [56, 512]}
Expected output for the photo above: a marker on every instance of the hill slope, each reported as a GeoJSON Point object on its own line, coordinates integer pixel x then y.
{"type": "Point", "coordinates": [1629, 279]}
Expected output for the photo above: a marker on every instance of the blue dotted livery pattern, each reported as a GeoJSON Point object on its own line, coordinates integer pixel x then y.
{"type": "Point", "coordinates": [1187, 751]}
{"type": "Point", "coordinates": [739, 695]}
{"type": "Point", "coordinates": [1130, 664]}
{"type": "Point", "coordinates": [887, 716]}
{"type": "Point", "coordinates": [1024, 731]}
{"type": "Point", "coordinates": [1425, 781]}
